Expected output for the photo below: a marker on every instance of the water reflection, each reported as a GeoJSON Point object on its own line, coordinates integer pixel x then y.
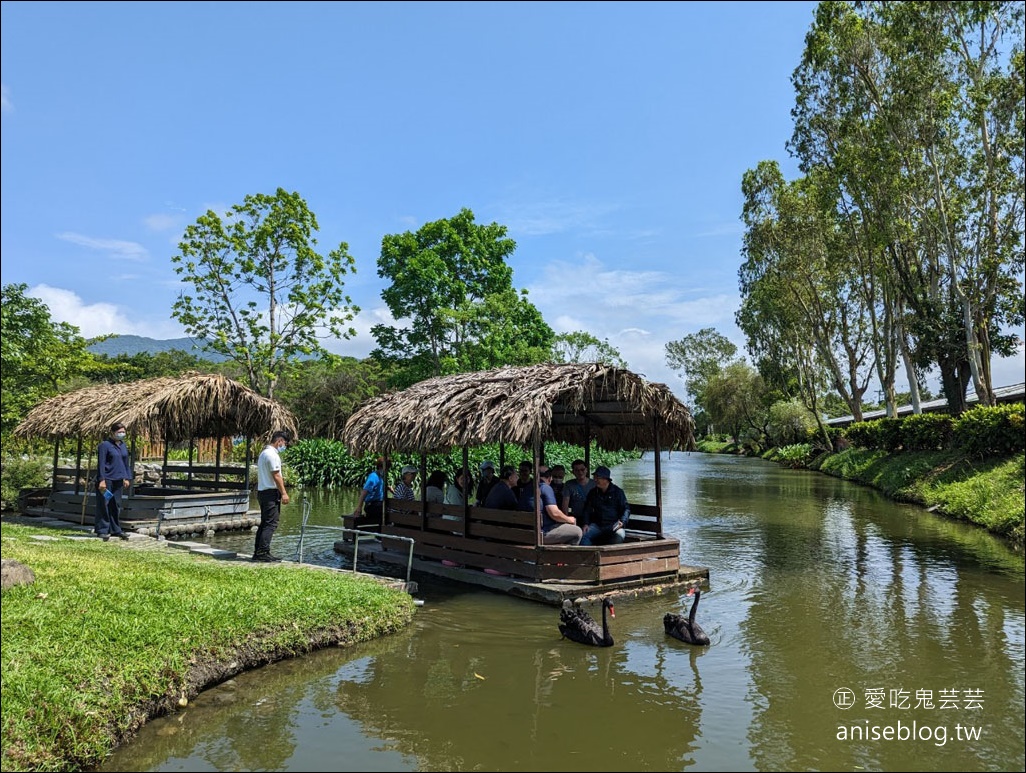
{"type": "Point", "coordinates": [816, 585]}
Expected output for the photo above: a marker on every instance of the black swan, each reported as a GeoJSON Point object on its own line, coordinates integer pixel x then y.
{"type": "Point", "coordinates": [577, 625]}
{"type": "Point", "coordinates": [688, 630]}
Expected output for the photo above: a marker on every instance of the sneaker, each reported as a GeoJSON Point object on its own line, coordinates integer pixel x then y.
{"type": "Point", "coordinates": [267, 558]}
{"type": "Point", "coordinates": [123, 536]}
{"type": "Point", "coordinates": [105, 537]}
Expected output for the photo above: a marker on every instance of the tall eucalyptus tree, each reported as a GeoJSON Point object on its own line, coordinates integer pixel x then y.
{"type": "Point", "coordinates": [797, 270]}
{"type": "Point", "coordinates": [917, 110]}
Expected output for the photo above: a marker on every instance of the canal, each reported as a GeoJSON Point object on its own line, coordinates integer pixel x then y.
{"type": "Point", "coordinates": [848, 632]}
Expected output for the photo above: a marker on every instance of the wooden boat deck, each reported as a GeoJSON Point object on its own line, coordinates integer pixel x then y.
{"type": "Point", "coordinates": [152, 510]}
{"type": "Point", "coordinates": [497, 549]}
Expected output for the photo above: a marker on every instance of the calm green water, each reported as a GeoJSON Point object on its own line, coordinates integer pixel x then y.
{"type": "Point", "coordinates": [817, 586]}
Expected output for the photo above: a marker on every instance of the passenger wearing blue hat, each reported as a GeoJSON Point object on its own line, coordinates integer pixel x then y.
{"type": "Point", "coordinates": [605, 511]}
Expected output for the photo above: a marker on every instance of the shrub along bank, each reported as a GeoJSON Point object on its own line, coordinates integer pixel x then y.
{"type": "Point", "coordinates": [970, 467]}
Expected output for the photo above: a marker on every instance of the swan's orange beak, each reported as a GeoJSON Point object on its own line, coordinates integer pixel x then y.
{"type": "Point", "coordinates": [612, 612]}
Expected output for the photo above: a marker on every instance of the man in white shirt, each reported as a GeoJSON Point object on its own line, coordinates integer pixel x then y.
{"type": "Point", "coordinates": [270, 493]}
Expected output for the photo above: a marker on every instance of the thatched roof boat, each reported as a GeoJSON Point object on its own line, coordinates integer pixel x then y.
{"type": "Point", "coordinates": [572, 403]}
{"type": "Point", "coordinates": [174, 409]}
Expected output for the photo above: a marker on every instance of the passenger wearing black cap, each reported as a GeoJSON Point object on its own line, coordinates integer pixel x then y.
{"type": "Point", "coordinates": [605, 511]}
{"type": "Point", "coordinates": [488, 480]}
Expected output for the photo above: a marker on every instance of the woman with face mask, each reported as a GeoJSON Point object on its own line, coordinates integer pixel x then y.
{"type": "Point", "coordinates": [114, 474]}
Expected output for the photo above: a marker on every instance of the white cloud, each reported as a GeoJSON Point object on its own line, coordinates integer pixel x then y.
{"type": "Point", "coordinates": [536, 217]}
{"type": "Point", "coordinates": [637, 312]}
{"type": "Point", "coordinates": [361, 345]}
{"type": "Point", "coordinates": [162, 222]}
{"type": "Point", "coordinates": [96, 319]}
{"type": "Point", "coordinates": [118, 247]}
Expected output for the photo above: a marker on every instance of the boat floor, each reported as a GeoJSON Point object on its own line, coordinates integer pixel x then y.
{"type": "Point", "coordinates": [548, 592]}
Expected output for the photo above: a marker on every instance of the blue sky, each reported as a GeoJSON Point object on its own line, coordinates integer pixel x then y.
{"type": "Point", "coordinates": [610, 138]}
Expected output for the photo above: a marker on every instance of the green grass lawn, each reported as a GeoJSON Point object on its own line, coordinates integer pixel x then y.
{"type": "Point", "coordinates": [109, 636]}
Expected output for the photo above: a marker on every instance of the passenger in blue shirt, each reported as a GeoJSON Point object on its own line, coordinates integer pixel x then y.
{"type": "Point", "coordinates": [113, 476]}
{"type": "Point", "coordinates": [372, 495]}
{"type": "Point", "coordinates": [558, 528]}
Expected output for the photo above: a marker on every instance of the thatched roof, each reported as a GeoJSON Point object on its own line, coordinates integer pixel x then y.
{"type": "Point", "coordinates": [173, 408]}
{"type": "Point", "coordinates": [519, 404]}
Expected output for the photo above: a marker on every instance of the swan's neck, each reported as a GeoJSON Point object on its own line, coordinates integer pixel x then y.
{"type": "Point", "coordinates": [694, 608]}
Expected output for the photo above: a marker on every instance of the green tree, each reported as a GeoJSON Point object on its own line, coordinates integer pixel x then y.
{"type": "Point", "coordinates": [698, 357]}
{"type": "Point", "coordinates": [132, 367]}
{"type": "Point", "coordinates": [797, 276]}
{"type": "Point", "coordinates": [262, 295]}
{"type": "Point", "coordinates": [917, 109]}
{"type": "Point", "coordinates": [37, 355]}
{"type": "Point", "coordinates": [323, 393]}
{"type": "Point", "coordinates": [736, 401]}
{"type": "Point", "coordinates": [579, 346]}
{"type": "Point", "coordinates": [450, 281]}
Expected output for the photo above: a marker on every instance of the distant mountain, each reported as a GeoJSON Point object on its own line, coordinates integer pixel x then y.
{"type": "Point", "coordinates": [129, 345]}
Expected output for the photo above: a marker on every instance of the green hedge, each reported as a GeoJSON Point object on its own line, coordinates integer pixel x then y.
{"type": "Point", "coordinates": [985, 431]}
{"type": "Point", "coordinates": [982, 431]}
{"type": "Point", "coordinates": [327, 463]}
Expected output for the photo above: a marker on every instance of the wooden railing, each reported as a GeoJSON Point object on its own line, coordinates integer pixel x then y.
{"type": "Point", "coordinates": [504, 541]}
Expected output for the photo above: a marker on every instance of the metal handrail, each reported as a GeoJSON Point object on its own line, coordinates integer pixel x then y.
{"type": "Point", "coordinates": [358, 534]}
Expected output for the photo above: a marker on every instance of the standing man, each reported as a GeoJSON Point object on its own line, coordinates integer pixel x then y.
{"type": "Point", "coordinates": [372, 495]}
{"type": "Point", "coordinates": [270, 493]}
{"type": "Point", "coordinates": [605, 511]}
{"type": "Point", "coordinates": [113, 476]}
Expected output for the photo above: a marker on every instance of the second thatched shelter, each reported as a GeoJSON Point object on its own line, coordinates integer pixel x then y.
{"type": "Point", "coordinates": [175, 409]}
{"type": "Point", "coordinates": [167, 409]}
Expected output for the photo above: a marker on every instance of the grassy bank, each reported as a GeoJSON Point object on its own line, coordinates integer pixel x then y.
{"type": "Point", "coordinates": [989, 493]}
{"type": "Point", "coordinates": [108, 637]}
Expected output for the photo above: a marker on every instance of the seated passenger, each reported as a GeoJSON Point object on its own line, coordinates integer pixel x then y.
{"type": "Point", "coordinates": [558, 473]}
{"type": "Point", "coordinates": [576, 491]}
{"type": "Point", "coordinates": [525, 480]}
{"type": "Point", "coordinates": [434, 490]}
{"type": "Point", "coordinates": [558, 528]}
{"type": "Point", "coordinates": [404, 488]}
{"type": "Point", "coordinates": [457, 491]}
{"type": "Point", "coordinates": [487, 482]}
{"type": "Point", "coordinates": [605, 511]}
{"type": "Point", "coordinates": [501, 497]}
